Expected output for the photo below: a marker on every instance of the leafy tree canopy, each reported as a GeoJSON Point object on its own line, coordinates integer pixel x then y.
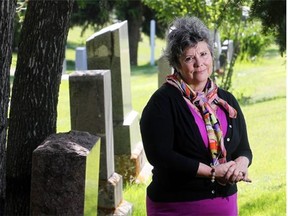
{"type": "Point", "coordinates": [272, 14]}
{"type": "Point", "coordinates": [211, 12]}
{"type": "Point", "coordinates": [95, 13]}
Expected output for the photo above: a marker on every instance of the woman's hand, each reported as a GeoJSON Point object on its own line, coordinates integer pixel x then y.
{"type": "Point", "coordinates": [238, 171]}
{"type": "Point", "coordinates": [221, 171]}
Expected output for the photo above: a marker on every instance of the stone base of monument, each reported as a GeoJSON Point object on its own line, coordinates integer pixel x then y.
{"type": "Point", "coordinates": [130, 165]}
{"type": "Point", "coordinates": [111, 200]}
{"type": "Point", "coordinates": [124, 209]}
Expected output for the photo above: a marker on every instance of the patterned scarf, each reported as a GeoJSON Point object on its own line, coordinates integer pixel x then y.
{"type": "Point", "coordinates": [205, 103]}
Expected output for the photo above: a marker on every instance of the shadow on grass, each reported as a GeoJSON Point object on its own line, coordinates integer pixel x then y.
{"type": "Point", "coordinates": [272, 51]}
{"type": "Point", "coordinates": [146, 69]}
{"type": "Point", "coordinates": [244, 100]}
{"type": "Point", "coordinates": [73, 46]}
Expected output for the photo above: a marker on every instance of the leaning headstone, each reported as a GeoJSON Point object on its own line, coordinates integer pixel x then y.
{"type": "Point", "coordinates": [81, 58]}
{"type": "Point", "coordinates": [91, 111]}
{"type": "Point", "coordinates": [164, 69]}
{"type": "Point", "coordinates": [109, 49]}
{"type": "Point", "coordinates": [65, 174]}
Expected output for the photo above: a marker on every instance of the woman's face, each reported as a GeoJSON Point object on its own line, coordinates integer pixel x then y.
{"type": "Point", "coordinates": [196, 65]}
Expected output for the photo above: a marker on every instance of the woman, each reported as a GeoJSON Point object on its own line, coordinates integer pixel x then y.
{"type": "Point", "coordinates": [194, 133]}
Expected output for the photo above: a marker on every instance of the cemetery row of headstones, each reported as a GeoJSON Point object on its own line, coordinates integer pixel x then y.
{"type": "Point", "coordinates": [100, 107]}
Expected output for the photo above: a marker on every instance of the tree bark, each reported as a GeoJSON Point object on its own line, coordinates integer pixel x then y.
{"type": "Point", "coordinates": [7, 13]}
{"type": "Point", "coordinates": [134, 17]}
{"type": "Point", "coordinates": [134, 38]}
{"type": "Point", "coordinates": [35, 91]}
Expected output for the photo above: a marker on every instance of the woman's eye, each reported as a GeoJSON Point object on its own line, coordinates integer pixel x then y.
{"type": "Point", "coordinates": [204, 54]}
{"type": "Point", "coordinates": [188, 59]}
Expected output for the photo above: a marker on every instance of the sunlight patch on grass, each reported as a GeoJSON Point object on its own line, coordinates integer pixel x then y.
{"type": "Point", "coordinates": [263, 80]}
{"type": "Point", "coordinates": [63, 111]}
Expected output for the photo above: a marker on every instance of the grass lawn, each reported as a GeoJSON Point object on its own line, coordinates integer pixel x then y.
{"type": "Point", "coordinates": [261, 90]}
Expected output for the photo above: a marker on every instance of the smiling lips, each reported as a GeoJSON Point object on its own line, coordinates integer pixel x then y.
{"type": "Point", "coordinates": [199, 71]}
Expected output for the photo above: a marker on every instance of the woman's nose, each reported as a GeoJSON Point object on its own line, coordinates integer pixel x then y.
{"type": "Point", "coordinates": [198, 61]}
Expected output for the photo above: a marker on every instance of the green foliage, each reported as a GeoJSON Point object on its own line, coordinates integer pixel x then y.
{"type": "Point", "coordinates": [253, 42]}
{"type": "Point", "coordinates": [94, 13]}
{"type": "Point", "coordinates": [213, 13]}
{"type": "Point", "coordinates": [127, 8]}
{"type": "Point", "coordinates": [224, 16]}
{"type": "Point", "coordinates": [18, 20]}
{"type": "Point", "coordinates": [272, 14]}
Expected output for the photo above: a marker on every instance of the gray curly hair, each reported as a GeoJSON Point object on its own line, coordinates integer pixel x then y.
{"type": "Point", "coordinates": [185, 32]}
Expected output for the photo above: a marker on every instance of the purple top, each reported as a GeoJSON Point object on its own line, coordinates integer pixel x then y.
{"type": "Point", "coordinates": [218, 206]}
{"type": "Point", "coordinates": [201, 125]}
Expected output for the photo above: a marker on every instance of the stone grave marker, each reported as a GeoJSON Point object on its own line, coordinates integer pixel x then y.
{"type": "Point", "coordinates": [91, 111]}
{"type": "Point", "coordinates": [109, 49]}
{"type": "Point", "coordinates": [164, 69]}
{"type": "Point", "coordinates": [65, 175]}
{"type": "Point", "coordinates": [81, 58]}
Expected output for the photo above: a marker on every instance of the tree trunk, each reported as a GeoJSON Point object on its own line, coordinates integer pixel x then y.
{"type": "Point", "coordinates": [35, 91]}
{"type": "Point", "coordinates": [7, 13]}
{"type": "Point", "coordinates": [135, 21]}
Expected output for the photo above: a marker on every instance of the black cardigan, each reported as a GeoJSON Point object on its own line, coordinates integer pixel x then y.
{"type": "Point", "coordinates": [174, 147]}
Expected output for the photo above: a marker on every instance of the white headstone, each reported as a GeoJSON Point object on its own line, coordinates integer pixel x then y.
{"type": "Point", "coordinates": [81, 59]}
{"type": "Point", "coordinates": [152, 41]}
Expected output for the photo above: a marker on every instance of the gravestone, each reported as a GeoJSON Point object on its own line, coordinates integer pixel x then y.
{"type": "Point", "coordinates": [152, 41]}
{"type": "Point", "coordinates": [65, 174]}
{"type": "Point", "coordinates": [109, 49]}
{"type": "Point", "coordinates": [81, 59]}
{"type": "Point", "coordinates": [164, 69]}
{"type": "Point", "coordinates": [228, 47]}
{"type": "Point", "coordinates": [91, 111]}
{"type": "Point", "coordinates": [215, 36]}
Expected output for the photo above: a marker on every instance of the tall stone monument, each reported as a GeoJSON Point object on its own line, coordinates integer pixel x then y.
{"type": "Point", "coordinates": [109, 49]}
{"type": "Point", "coordinates": [91, 111]}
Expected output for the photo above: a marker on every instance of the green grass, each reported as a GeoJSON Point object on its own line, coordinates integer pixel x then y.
{"type": "Point", "coordinates": [264, 79]}
{"type": "Point", "coordinates": [136, 195]}
{"type": "Point", "coordinates": [261, 88]}
{"type": "Point", "coordinates": [266, 126]}
{"type": "Point", "coordinates": [63, 118]}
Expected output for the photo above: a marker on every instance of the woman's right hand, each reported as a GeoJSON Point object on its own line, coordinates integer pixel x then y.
{"type": "Point", "coordinates": [221, 170]}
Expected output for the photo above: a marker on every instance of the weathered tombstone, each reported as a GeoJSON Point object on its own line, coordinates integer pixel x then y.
{"type": "Point", "coordinates": [81, 58]}
{"type": "Point", "coordinates": [65, 173]}
{"type": "Point", "coordinates": [91, 111]}
{"type": "Point", "coordinates": [109, 49]}
{"type": "Point", "coordinates": [215, 36]}
{"type": "Point", "coordinates": [164, 69]}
